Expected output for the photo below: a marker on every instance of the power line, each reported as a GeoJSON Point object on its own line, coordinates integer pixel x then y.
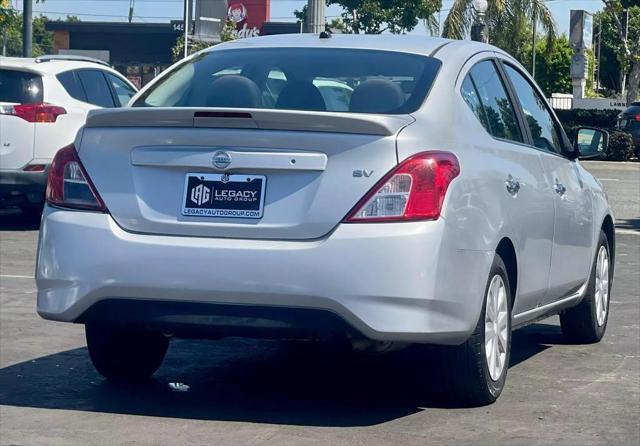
{"type": "Point", "coordinates": [103, 15]}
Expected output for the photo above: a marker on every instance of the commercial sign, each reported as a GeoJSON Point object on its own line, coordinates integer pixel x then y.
{"type": "Point", "coordinates": [581, 30]}
{"type": "Point", "coordinates": [600, 104]}
{"type": "Point", "coordinates": [248, 16]}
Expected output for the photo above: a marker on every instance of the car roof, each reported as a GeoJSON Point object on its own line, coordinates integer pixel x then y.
{"type": "Point", "coordinates": [50, 66]}
{"type": "Point", "coordinates": [406, 43]}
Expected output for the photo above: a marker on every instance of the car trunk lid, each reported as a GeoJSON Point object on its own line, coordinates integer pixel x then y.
{"type": "Point", "coordinates": [139, 160]}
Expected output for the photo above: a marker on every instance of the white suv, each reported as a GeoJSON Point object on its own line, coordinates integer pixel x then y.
{"type": "Point", "coordinates": [43, 103]}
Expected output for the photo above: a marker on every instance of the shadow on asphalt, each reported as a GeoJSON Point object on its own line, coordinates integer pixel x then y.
{"type": "Point", "coordinates": [254, 381]}
{"type": "Point", "coordinates": [16, 220]}
{"type": "Point", "coordinates": [631, 223]}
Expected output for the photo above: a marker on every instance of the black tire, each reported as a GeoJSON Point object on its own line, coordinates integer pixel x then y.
{"type": "Point", "coordinates": [125, 354]}
{"type": "Point", "coordinates": [580, 324]}
{"type": "Point", "coordinates": [466, 368]}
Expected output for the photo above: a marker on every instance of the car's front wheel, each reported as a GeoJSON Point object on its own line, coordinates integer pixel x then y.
{"type": "Point", "coordinates": [587, 321]}
{"type": "Point", "coordinates": [125, 353]}
{"type": "Point", "coordinates": [478, 368]}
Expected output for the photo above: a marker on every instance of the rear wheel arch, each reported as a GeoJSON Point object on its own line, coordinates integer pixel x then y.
{"type": "Point", "coordinates": [507, 252]}
{"type": "Point", "coordinates": [609, 230]}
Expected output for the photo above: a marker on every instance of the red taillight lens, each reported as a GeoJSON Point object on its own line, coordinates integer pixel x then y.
{"type": "Point", "coordinates": [69, 185]}
{"type": "Point", "coordinates": [34, 112]}
{"type": "Point", "coordinates": [413, 190]}
{"type": "Point", "coordinates": [637, 117]}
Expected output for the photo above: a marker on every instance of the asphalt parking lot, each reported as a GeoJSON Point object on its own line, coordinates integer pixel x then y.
{"type": "Point", "coordinates": [267, 392]}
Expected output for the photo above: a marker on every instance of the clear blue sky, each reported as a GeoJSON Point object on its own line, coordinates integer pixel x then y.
{"type": "Point", "coordinates": [281, 10]}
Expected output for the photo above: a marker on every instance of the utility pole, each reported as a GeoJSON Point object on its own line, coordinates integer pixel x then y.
{"type": "Point", "coordinates": [598, 53]}
{"type": "Point", "coordinates": [132, 3]}
{"type": "Point", "coordinates": [187, 23]}
{"type": "Point", "coordinates": [27, 27]}
{"type": "Point", "coordinates": [623, 72]}
{"type": "Point", "coordinates": [533, 52]}
{"type": "Point", "coordinates": [316, 16]}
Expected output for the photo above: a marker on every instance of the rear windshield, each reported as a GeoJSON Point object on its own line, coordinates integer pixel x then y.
{"type": "Point", "coordinates": [20, 87]}
{"type": "Point", "coordinates": [312, 79]}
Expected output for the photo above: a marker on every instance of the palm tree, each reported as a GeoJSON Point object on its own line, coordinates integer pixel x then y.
{"type": "Point", "coordinates": [508, 21]}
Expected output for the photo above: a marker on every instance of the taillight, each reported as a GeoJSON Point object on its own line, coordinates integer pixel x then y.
{"type": "Point", "coordinates": [34, 112]}
{"type": "Point", "coordinates": [69, 185]}
{"type": "Point", "coordinates": [638, 117]}
{"type": "Point", "coordinates": [413, 190]}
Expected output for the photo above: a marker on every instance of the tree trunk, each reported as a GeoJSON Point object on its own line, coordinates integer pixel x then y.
{"type": "Point", "coordinates": [633, 82]}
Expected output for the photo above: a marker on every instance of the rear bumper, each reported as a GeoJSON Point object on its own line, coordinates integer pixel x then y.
{"type": "Point", "coordinates": [18, 187]}
{"type": "Point", "coordinates": [388, 282]}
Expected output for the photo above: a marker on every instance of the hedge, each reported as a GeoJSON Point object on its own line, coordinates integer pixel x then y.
{"type": "Point", "coordinates": [621, 147]}
{"type": "Point", "coordinates": [577, 117]}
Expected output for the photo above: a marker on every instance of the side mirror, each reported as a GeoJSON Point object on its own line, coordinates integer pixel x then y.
{"type": "Point", "coordinates": [590, 142]}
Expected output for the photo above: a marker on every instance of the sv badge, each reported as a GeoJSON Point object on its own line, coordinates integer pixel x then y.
{"type": "Point", "coordinates": [359, 173]}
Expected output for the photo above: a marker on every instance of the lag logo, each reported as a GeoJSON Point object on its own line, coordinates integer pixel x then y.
{"type": "Point", "coordinates": [200, 194]}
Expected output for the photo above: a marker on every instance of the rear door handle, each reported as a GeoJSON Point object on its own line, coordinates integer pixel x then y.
{"type": "Point", "coordinates": [559, 188]}
{"type": "Point", "coordinates": [512, 185]}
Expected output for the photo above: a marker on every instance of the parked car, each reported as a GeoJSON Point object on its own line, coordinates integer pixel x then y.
{"type": "Point", "coordinates": [43, 103]}
{"type": "Point", "coordinates": [629, 121]}
{"type": "Point", "coordinates": [445, 207]}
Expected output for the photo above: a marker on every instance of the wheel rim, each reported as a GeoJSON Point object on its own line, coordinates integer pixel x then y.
{"type": "Point", "coordinates": [496, 327]}
{"type": "Point", "coordinates": [602, 286]}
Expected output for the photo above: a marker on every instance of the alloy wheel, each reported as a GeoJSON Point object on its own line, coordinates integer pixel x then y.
{"type": "Point", "coordinates": [496, 326]}
{"type": "Point", "coordinates": [602, 286]}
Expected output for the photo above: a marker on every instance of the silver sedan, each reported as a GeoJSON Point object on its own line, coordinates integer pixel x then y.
{"type": "Point", "coordinates": [379, 190]}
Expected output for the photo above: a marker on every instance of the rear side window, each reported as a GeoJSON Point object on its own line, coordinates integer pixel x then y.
{"type": "Point", "coordinates": [96, 88]}
{"type": "Point", "coordinates": [537, 114]}
{"type": "Point", "coordinates": [485, 88]}
{"type": "Point", "coordinates": [123, 91]}
{"type": "Point", "coordinates": [71, 84]}
{"type": "Point", "coordinates": [20, 87]}
{"type": "Point", "coordinates": [470, 96]}
{"type": "Point", "coordinates": [318, 79]}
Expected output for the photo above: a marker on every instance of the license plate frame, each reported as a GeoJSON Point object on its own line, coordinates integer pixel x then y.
{"type": "Point", "coordinates": [223, 195]}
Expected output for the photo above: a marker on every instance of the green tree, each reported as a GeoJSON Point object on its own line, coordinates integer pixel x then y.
{"type": "Point", "coordinates": [553, 65]}
{"type": "Point", "coordinates": [508, 21]}
{"type": "Point", "coordinates": [626, 46]}
{"type": "Point", "coordinates": [12, 26]}
{"type": "Point", "coordinates": [378, 16]}
{"type": "Point", "coordinates": [177, 52]}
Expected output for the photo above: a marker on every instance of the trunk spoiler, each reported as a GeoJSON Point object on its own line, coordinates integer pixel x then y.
{"type": "Point", "coordinates": [309, 121]}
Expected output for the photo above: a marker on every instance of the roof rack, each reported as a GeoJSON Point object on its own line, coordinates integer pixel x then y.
{"type": "Point", "coordinates": [55, 57]}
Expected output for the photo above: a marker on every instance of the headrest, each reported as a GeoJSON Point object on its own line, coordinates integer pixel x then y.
{"type": "Point", "coordinates": [234, 91]}
{"type": "Point", "coordinates": [376, 96]}
{"type": "Point", "coordinates": [301, 95]}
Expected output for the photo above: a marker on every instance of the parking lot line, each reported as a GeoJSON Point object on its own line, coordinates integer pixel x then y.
{"type": "Point", "coordinates": [16, 276]}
